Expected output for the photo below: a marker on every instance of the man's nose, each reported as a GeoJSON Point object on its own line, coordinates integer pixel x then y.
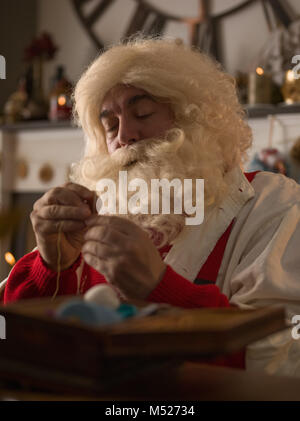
{"type": "Point", "coordinates": [128, 132]}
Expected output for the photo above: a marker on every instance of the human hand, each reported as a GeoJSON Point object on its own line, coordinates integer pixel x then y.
{"type": "Point", "coordinates": [62, 208]}
{"type": "Point", "coordinates": [122, 252]}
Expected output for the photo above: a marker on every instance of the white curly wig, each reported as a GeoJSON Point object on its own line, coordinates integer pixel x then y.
{"type": "Point", "coordinates": [202, 96]}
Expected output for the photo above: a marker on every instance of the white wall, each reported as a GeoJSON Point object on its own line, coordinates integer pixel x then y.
{"type": "Point", "coordinates": [243, 34]}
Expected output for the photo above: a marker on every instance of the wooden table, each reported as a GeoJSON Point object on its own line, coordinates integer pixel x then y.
{"type": "Point", "coordinates": [188, 382]}
{"type": "Point", "coordinates": [139, 359]}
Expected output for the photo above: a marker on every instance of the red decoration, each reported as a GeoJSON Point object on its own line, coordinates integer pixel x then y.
{"type": "Point", "coordinates": [43, 47]}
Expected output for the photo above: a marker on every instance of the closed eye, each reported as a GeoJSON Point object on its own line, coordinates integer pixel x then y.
{"type": "Point", "coordinates": [144, 116]}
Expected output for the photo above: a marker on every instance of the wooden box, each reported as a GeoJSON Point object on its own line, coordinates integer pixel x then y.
{"type": "Point", "coordinates": [55, 355]}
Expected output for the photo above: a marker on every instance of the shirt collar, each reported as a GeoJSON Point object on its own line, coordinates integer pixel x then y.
{"type": "Point", "coordinates": [194, 244]}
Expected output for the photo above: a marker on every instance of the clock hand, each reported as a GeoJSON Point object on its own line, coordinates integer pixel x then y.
{"type": "Point", "coordinates": [89, 20]}
{"type": "Point", "coordinates": [98, 11]}
{"type": "Point", "coordinates": [146, 21]}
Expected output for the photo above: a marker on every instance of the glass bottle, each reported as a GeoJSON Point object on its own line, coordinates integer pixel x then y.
{"type": "Point", "coordinates": [60, 97]}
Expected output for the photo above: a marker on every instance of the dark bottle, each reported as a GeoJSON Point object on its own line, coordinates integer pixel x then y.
{"type": "Point", "coordinates": [60, 97]}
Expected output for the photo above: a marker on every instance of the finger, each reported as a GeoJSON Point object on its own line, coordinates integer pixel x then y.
{"type": "Point", "coordinates": [83, 192]}
{"type": "Point", "coordinates": [64, 196]}
{"type": "Point", "coordinates": [45, 226]}
{"type": "Point", "coordinates": [58, 196]}
{"type": "Point", "coordinates": [100, 265]}
{"type": "Point", "coordinates": [122, 224]}
{"type": "Point", "coordinates": [111, 272]}
{"type": "Point", "coordinates": [107, 235]}
{"type": "Point", "coordinates": [64, 212]}
{"type": "Point", "coordinates": [87, 196]}
{"type": "Point", "coordinates": [100, 250]}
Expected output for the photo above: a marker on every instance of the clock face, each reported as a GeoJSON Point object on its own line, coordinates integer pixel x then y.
{"type": "Point", "coordinates": [190, 8]}
{"type": "Point", "coordinates": [109, 20]}
{"type": "Point", "coordinates": [196, 22]}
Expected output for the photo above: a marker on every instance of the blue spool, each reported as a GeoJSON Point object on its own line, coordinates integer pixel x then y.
{"type": "Point", "coordinates": [88, 313]}
{"type": "Point", "coordinates": [127, 310]}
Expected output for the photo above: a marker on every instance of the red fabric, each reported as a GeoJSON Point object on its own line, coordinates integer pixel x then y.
{"type": "Point", "coordinates": [250, 175]}
{"type": "Point", "coordinates": [31, 278]}
{"type": "Point", "coordinates": [176, 290]}
{"type": "Point", "coordinates": [211, 267]}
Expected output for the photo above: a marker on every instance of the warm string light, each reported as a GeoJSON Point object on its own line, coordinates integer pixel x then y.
{"type": "Point", "coordinates": [61, 100]}
{"type": "Point", "coordinates": [9, 258]}
{"type": "Point", "coordinates": [260, 71]}
{"type": "Point", "coordinates": [290, 76]}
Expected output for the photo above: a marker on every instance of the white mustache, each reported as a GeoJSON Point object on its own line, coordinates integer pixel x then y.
{"type": "Point", "coordinates": [147, 150]}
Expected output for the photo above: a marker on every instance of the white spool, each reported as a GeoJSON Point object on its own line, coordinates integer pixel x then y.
{"type": "Point", "coordinates": [102, 294]}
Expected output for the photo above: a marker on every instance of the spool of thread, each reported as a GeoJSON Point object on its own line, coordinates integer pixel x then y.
{"type": "Point", "coordinates": [102, 294]}
{"type": "Point", "coordinates": [91, 314]}
{"type": "Point", "coordinates": [127, 310]}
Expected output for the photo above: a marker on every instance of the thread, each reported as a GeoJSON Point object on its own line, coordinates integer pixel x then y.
{"type": "Point", "coordinates": [58, 260]}
{"type": "Point", "coordinates": [59, 248]}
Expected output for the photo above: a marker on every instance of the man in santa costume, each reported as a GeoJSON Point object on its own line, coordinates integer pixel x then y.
{"type": "Point", "coordinates": [158, 109]}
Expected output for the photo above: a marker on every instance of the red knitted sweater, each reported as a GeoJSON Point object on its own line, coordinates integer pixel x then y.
{"type": "Point", "coordinates": [31, 278]}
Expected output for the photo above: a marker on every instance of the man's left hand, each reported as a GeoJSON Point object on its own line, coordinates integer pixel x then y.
{"type": "Point", "coordinates": [122, 252]}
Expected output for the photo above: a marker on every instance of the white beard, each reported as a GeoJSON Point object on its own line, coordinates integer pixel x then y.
{"type": "Point", "coordinates": [172, 157]}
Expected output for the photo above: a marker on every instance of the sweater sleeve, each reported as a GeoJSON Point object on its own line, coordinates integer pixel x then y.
{"type": "Point", "coordinates": [31, 278]}
{"type": "Point", "coordinates": [174, 289]}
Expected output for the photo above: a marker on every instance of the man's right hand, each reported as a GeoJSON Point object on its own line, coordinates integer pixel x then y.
{"type": "Point", "coordinates": [67, 208]}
